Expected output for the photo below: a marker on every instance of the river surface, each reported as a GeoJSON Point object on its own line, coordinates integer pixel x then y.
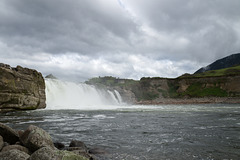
{"type": "Point", "coordinates": [181, 132]}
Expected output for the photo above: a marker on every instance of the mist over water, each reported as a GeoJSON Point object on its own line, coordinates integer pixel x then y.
{"type": "Point", "coordinates": [69, 95]}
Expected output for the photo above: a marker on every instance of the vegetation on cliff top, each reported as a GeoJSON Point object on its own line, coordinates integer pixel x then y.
{"type": "Point", "coordinates": [139, 88]}
{"type": "Point", "coordinates": [110, 81]}
{"type": "Point", "coordinates": [200, 90]}
{"type": "Point", "coordinates": [207, 84]}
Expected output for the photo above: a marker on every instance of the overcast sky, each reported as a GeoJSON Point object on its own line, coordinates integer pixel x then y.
{"type": "Point", "coordinates": [80, 39]}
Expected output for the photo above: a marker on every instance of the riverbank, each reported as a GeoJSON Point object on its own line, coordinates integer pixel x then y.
{"type": "Point", "coordinates": [205, 100]}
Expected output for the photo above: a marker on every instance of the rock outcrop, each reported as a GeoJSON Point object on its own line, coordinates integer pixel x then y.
{"type": "Point", "coordinates": [36, 144]}
{"type": "Point", "coordinates": [21, 89]}
{"type": "Point", "coordinates": [182, 90]}
{"type": "Point", "coordinates": [190, 90]}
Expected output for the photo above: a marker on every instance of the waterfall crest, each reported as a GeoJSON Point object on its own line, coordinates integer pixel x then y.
{"type": "Point", "coordinates": [69, 95]}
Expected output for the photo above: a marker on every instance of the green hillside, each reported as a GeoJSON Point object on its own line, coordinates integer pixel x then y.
{"type": "Point", "coordinates": [231, 71]}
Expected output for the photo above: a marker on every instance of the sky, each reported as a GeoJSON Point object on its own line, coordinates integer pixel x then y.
{"type": "Point", "coordinates": [80, 39]}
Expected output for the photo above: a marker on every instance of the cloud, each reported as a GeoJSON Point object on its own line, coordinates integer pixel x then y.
{"type": "Point", "coordinates": [206, 25]}
{"type": "Point", "coordinates": [60, 26]}
{"type": "Point", "coordinates": [79, 39]}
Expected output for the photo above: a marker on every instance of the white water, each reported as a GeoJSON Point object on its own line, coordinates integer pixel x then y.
{"type": "Point", "coordinates": [69, 95]}
{"type": "Point", "coordinates": [118, 96]}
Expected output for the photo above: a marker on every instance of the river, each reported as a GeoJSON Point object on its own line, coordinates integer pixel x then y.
{"type": "Point", "coordinates": [208, 132]}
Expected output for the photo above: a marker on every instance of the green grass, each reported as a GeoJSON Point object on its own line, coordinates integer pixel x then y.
{"type": "Point", "coordinates": [198, 90]}
{"type": "Point", "coordinates": [150, 95]}
{"type": "Point", "coordinates": [214, 73]}
{"type": "Point", "coordinates": [163, 92]}
{"type": "Point", "coordinates": [111, 81]}
{"type": "Point", "coordinates": [172, 91]}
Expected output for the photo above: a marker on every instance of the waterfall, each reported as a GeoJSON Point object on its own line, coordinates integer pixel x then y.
{"type": "Point", "coordinates": [118, 96]}
{"type": "Point", "coordinates": [69, 95]}
{"type": "Point", "coordinates": [113, 96]}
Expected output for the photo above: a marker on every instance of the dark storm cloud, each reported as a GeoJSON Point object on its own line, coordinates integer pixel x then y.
{"type": "Point", "coordinates": [123, 38]}
{"type": "Point", "coordinates": [59, 26]}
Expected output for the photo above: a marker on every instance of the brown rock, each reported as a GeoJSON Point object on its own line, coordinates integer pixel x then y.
{"type": "Point", "coordinates": [34, 138]}
{"type": "Point", "coordinates": [9, 135]}
{"type": "Point", "coordinates": [20, 132]}
{"type": "Point", "coordinates": [18, 147]}
{"type": "Point", "coordinates": [1, 143]}
{"type": "Point", "coordinates": [13, 155]}
{"type": "Point", "coordinates": [47, 153]}
{"type": "Point", "coordinates": [21, 89]}
{"type": "Point", "coordinates": [84, 154]}
{"type": "Point", "coordinates": [59, 145]}
{"type": "Point", "coordinates": [97, 151]}
{"type": "Point", "coordinates": [79, 144]}
{"type": "Point", "coordinates": [44, 153]}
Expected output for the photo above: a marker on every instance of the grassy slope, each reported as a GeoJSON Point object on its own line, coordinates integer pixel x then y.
{"type": "Point", "coordinates": [221, 72]}
{"type": "Point", "coordinates": [200, 90]}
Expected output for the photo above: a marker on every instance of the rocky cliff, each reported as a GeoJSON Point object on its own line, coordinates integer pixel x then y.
{"type": "Point", "coordinates": [185, 89]}
{"type": "Point", "coordinates": [221, 89]}
{"type": "Point", "coordinates": [21, 89]}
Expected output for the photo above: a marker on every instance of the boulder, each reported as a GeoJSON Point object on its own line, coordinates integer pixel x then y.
{"type": "Point", "coordinates": [17, 147]}
{"type": "Point", "coordinates": [66, 155]}
{"type": "Point", "coordinates": [79, 144]}
{"type": "Point", "coordinates": [96, 151]}
{"type": "Point", "coordinates": [59, 145]}
{"type": "Point", "coordinates": [9, 135]}
{"type": "Point", "coordinates": [13, 155]}
{"type": "Point", "coordinates": [34, 138]}
{"type": "Point", "coordinates": [1, 143]}
{"type": "Point", "coordinates": [5, 144]}
{"type": "Point", "coordinates": [47, 153]}
{"type": "Point", "coordinates": [36, 144]}
{"type": "Point", "coordinates": [84, 154]}
{"type": "Point", "coordinates": [21, 89]}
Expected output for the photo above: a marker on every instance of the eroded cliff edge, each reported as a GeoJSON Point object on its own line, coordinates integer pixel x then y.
{"type": "Point", "coordinates": [181, 90]}
{"type": "Point", "coordinates": [21, 89]}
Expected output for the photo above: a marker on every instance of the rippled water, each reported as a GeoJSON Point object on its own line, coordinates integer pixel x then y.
{"type": "Point", "coordinates": [144, 132]}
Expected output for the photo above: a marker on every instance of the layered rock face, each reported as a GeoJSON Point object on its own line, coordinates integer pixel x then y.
{"type": "Point", "coordinates": [222, 89]}
{"type": "Point", "coordinates": [182, 90]}
{"type": "Point", "coordinates": [21, 89]}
